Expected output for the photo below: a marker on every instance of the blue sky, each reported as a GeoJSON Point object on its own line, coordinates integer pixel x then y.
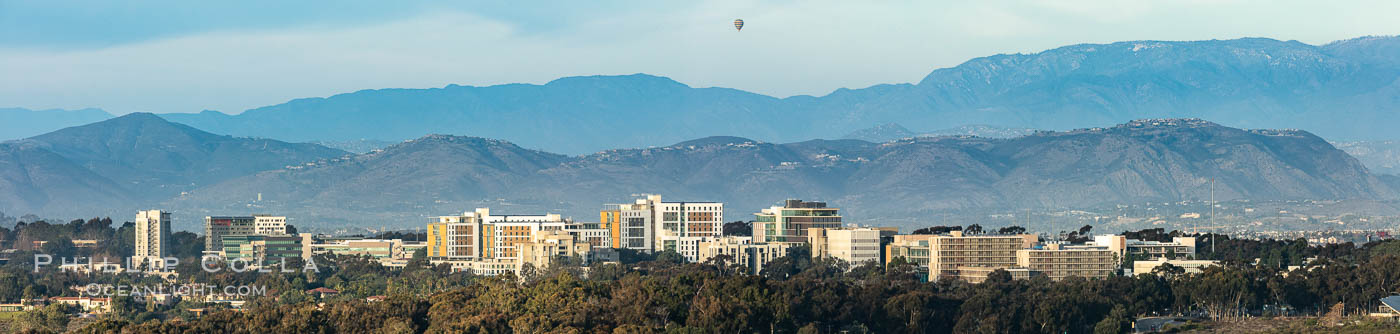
{"type": "Point", "coordinates": [186, 56]}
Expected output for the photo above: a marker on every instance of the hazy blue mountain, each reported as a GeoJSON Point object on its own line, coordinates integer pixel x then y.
{"type": "Point", "coordinates": [892, 131]}
{"type": "Point", "coordinates": [355, 146]}
{"type": "Point", "coordinates": [131, 161]}
{"type": "Point", "coordinates": [893, 182]}
{"type": "Point", "coordinates": [1346, 90]}
{"type": "Point", "coordinates": [16, 123]}
{"type": "Point", "coordinates": [1381, 156]}
{"type": "Point", "coordinates": [880, 133]}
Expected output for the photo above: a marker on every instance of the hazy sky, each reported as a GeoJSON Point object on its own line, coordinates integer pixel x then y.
{"type": "Point", "coordinates": [186, 56]}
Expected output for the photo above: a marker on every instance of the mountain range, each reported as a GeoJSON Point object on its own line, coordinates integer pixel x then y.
{"type": "Point", "coordinates": [1345, 90]}
{"type": "Point", "coordinates": [894, 131]}
{"type": "Point", "coordinates": [135, 161]}
{"type": "Point", "coordinates": [900, 182]}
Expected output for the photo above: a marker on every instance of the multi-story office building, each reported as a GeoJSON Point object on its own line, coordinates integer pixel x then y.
{"type": "Point", "coordinates": [1179, 247]}
{"type": "Point", "coordinates": [643, 224]}
{"type": "Point", "coordinates": [855, 245]}
{"type": "Point", "coordinates": [261, 249]}
{"type": "Point", "coordinates": [914, 248]}
{"type": "Point", "coordinates": [550, 246]}
{"type": "Point", "coordinates": [743, 251]}
{"type": "Point", "coordinates": [218, 227]}
{"type": "Point", "coordinates": [1058, 261]}
{"type": "Point", "coordinates": [1187, 266]}
{"type": "Point", "coordinates": [947, 253]}
{"type": "Point", "coordinates": [152, 234]}
{"type": "Point", "coordinates": [482, 235]}
{"type": "Point", "coordinates": [375, 248]}
{"type": "Point", "coordinates": [790, 222]}
{"type": "Point", "coordinates": [977, 275]}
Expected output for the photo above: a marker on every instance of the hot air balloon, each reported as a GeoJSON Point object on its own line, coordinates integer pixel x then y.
{"type": "Point", "coordinates": [738, 24]}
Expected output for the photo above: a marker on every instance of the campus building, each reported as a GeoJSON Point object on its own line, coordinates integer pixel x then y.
{"type": "Point", "coordinates": [648, 223]}
{"type": "Point", "coordinates": [948, 253]}
{"type": "Point", "coordinates": [152, 236]}
{"type": "Point", "coordinates": [261, 249]}
{"type": "Point", "coordinates": [790, 222]}
{"type": "Point", "coordinates": [218, 227]}
{"type": "Point", "coordinates": [742, 250]}
{"type": "Point", "coordinates": [1179, 247]}
{"type": "Point", "coordinates": [853, 245]}
{"type": "Point", "coordinates": [1058, 261]}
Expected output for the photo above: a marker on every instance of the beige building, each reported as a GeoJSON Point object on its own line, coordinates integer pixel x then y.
{"type": "Point", "coordinates": [977, 275]}
{"type": "Point", "coordinates": [1181, 247]}
{"type": "Point", "coordinates": [1188, 266]}
{"type": "Point", "coordinates": [792, 221]}
{"type": "Point", "coordinates": [1058, 261]}
{"type": "Point", "coordinates": [853, 245]}
{"type": "Point", "coordinates": [482, 235]}
{"type": "Point", "coordinates": [949, 252]}
{"type": "Point", "coordinates": [152, 235]}
{"type": "Point", "coordinates": [743, 251]}
{"type": "Point", "coordinates": [547, 247]}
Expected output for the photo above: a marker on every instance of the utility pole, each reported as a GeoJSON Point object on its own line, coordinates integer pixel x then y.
{"type": "Point", "coordinates": [1212, 214]}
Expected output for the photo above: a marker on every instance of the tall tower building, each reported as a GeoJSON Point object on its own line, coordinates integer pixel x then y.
{"type": "Point", "coordinates": [152, 233]}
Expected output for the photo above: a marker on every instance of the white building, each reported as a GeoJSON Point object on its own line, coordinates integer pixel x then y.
{"type": "Point", "coordinates": [853, 245]}
{"type": "Point", "coordinates": [1181, 247]}
{"type": "Point", "coordinates": [643, 224]}
{"type": "Point", "coordinates": [743, 251]}
{"type": "Point", "coordinates": [152, 234]}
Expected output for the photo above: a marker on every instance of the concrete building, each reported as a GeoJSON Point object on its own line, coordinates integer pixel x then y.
{"type": "Point", "coordinates": [1059, 261]}
{"type": "Point", "coordinates": [375, 248]}
{"type": "Point", "coordinates": [948, 253]}
{"type": "Point", "coordinates": [978, 275]}
{"type": "Point", "coordinates": [743, 251]}
{"type": "Point", "coordinates": [1188, 266]}
{"type": "Point", "coordinates": [482, 235]}
{"type": "Point", "coordinates": [790, 222]}
{"type": "Point", "coordinates": [1181, 247]}
{"type": "Point", "coordinates": [643, 224]}
{"type": "Point", "coordinates": [261, 249]}
{"type": "Point", "coordinates": [152, 236]}
{"type": "Point", "coordinates": [855, 245]}
{"type": "Point", "coordinates": [550, 246]}
{"type": "Point", "coordinates": [217, 227]}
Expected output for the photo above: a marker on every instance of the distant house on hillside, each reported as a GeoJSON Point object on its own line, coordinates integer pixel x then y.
{"type": "Point", "coordinates": [1389, 309]}
{"type": "Point", "coordinates": [323, 292]}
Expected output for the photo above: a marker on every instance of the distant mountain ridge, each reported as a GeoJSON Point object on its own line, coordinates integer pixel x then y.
{"type": "Point", "coordinates": [1161, 160]}
{"type": "Point", "coordinates": [1251, 82]}
{"type": "Point", "coordinates": [892, 131]}
{"type": "Point", "coordinates": [128, 162]}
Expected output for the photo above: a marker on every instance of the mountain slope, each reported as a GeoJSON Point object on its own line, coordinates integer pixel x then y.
{"type": "Point", "coordinates": [899, 181]}
{"type": "Point", "coordinates": [1252, 82]}
{"type": "Point", "coordinates": [134, 160]}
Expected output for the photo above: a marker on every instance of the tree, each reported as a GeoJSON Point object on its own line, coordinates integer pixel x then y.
{"type": "Point", "coordinates": [738, 228]}
{"type": "Point", "coordinates": [1012, 230]}
{"type": "Point", "coordinates": [1117, 321]}
{"type": "Point", "coordinates": [937, 230]}
{"type": "Point", "coordinates": [974, 229]}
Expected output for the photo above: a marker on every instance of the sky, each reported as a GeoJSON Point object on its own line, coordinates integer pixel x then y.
{"type": "Point", "coordinates": [188, 56]}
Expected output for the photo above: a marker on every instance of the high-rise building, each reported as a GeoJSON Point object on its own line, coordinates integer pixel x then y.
{"type": "Point", "coordinates": [152, 233]}
{"type": "Point", "coordinates": [648, 222]}
{"type": "Point", "coordinates": [855, 245]}
{"type": "Point", "coordinates": [218, 227]}
{"type": "Point", "coordinates": [790, 222]}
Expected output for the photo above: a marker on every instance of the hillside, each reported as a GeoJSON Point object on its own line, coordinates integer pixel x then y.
{"type": "Point", "coordinates": [136, 160]}
{"type": "Point", "coordinates": [1252, 82]}
{"type": "Point", "coordinates": [1149, 160]}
